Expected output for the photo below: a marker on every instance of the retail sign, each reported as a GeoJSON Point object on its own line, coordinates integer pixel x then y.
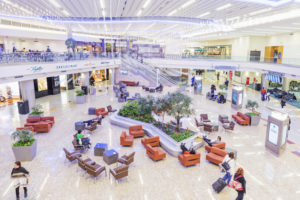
{"type": "Point", "coordinates": [225, 67]}
{"type": "Point", "coordinates": [66, 66]}
{"type": "Point", "coordinates": [276, 73]}
{"type": "Point", "coordinates": [35, 69]}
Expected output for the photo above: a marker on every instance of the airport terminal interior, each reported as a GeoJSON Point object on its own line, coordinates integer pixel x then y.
{"type": "Point", "coordinates": [149, 99]}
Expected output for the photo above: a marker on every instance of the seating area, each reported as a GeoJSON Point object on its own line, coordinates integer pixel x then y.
{"type": "Point", "coordinates": [152, 141]}
{"type": "Point", "coordinates": [241, 118]}
{"type": "Point", "coordinates": [153, 90]}
{"type": "Point", "coordinates": [101, 112]}
{"type": "Point", "coordinates": [221, 145]}
{"type": "Point", "coordinates": [155, 153]}
{"type": "Point", "coordinates": [189, 159]}
{"type": "Point", "coordinates": [216, 155]}
{"type": "Point", "coordinates": [126, 140]}
{"type": "Point", "coordinates": [127, 159]}
{"type": "Point", "coordinates": [40, 124]}
{"type": "Point", "coordinates": [136, 131]}
{"type": "Point", "coordinates": [130, 83]}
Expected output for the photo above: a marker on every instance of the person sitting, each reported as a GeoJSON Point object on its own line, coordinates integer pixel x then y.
{"type": "Point", "coordinates": [159, 87]}
{"type": "Point", "coordinates": [210, 143]}
{"type": "Point", "coordinates": [221, 99]}
{"type": "Point", "coordinates": [185, 149]}
{"type": "Point", "coordinates": [82, 140]}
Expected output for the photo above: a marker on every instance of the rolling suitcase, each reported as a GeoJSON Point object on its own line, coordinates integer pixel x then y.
{"type": "Point", "coordinates": [219, 185]}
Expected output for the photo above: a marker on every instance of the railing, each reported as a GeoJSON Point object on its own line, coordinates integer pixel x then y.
{"type": "Point", "coordinates": [46, 57]}
{"type": "Point", "coordinates": [254, 59]}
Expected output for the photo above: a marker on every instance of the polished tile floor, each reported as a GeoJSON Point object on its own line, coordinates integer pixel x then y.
{"type": "Point", "coordinates": [268, 176]}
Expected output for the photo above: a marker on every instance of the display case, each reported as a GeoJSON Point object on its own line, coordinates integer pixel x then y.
{"type": "Point", "coordinates": [277, 132]}
{"type": "Point", "coordinates": [237, 97]}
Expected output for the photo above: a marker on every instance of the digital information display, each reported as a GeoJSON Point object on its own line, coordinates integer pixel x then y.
{"type": "Point", "coordinates": [273, 133]}
{"type": "Point", "coordinates": [234, 98]}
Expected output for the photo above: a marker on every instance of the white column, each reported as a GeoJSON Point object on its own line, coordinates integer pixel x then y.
{"type": "Point", "coordinates": [263, 81]}
{"type": "Point", "coordinates": [27, 92]}
{"type": "Point", "coordinates": [86, 79]}
{"type": "Point", "coordinates": [112, 76]}
{"type": "Point", "coordinates": [285, 84]}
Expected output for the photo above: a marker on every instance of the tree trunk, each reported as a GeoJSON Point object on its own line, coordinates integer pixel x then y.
{"type": "Point", "coordinates": [178, 123]}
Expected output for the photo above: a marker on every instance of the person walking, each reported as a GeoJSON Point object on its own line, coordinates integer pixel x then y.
{"type": "Point", "coordinates": [268, 96]}
{"type": "Point", "coordinates": [239, 177]}
{"type": "Point", "coordinates": [226, 83]}
{"type": "Point", "coordinates": [263, 94]}
{"type": "Point", "coordinates": [283, 102]}
{"type": "Point", "coordinates": [228, 165]}
{"type": "Point", "coordinates": [193, 80]}
{"type": "Point", "coordinates": [21, 179]}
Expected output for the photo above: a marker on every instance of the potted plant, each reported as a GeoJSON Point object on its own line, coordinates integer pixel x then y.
{"type": "Point", "coordinates": [254, 116]}
{"type": "Point", "coordinates": [222, 87]}
{"type": "Point", "coordinates": [80, 97]}
{"type": "Point", "coordinates": [25, 146]}
{"type": "Point", "coordinates": [37, 111]}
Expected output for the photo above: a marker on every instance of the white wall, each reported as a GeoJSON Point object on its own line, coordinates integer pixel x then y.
{"type": "Point", "coordinates": [174, 47]}
{"type": "Point", "coordinates": [33, 44]}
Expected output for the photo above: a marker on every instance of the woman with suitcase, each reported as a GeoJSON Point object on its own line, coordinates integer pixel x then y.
{"type": "Point", "coordinates": [240, 187]}
{"type": "Point", "coordinates": [228, 165]}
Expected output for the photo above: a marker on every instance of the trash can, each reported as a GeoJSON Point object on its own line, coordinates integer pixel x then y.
{"type": "Point", "coordinates": [85, 89]}
{"type": "Point", "coordinates": [23, 107]}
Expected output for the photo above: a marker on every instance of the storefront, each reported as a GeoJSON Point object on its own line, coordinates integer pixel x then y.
{"type": "Point", "coordinates": [46, 86]}
{"type": "Point", "coordinates": [66, 82]}
{"type": "Point", "coordinates": [9, 90]}
{"type": "Point", "coordinates": [220, 50]}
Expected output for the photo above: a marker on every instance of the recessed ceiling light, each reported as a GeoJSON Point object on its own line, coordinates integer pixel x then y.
{"type": "Point", "coordinates": [66, 12]}
{"type": "Point", "coordinates": [146, 4]}
{"type": "Point", "coordinates": [139, 13]}
{"type": "Point", "coordinates": [224, 7]}
{"type": "Point", "coordinates": [260, 11]}
{"type": "Point", "coordinates": [204, 14]}
{"type": "Point", "coordinates": [173, 12]}
{"type": "Point", "coordinates": [187, 3]}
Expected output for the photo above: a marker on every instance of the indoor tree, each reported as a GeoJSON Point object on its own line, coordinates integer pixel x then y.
{"type": "Point", "coordinates": [252, 105]}
{"type": "Point", "coordinates": [162, 105]}
{"type": "Point", "coordinates": [179, 106]}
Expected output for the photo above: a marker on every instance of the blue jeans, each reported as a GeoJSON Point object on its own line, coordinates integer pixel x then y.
{"type": "Point", "coordinates": [227, 177]}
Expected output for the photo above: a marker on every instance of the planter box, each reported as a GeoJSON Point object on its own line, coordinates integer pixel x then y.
{"type": "Point", "coordinates": [254, 120]}
{"type": "Point", "coordinates": [26, 153]}
{"type": "Point", "coordinates": [80, 99]}
{"type": "Point", "coordinates": [40, 115]}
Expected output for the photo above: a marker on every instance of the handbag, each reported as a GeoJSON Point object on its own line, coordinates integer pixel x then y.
{"type": "Point", "coordinates": [236, 185]}
{"type": "Point", "coordinates": [226, 165]}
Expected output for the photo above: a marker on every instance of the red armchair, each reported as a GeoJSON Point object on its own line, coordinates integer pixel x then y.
{"type": "Point", "coordinates": [136, 131]}
{"type": "Point", "coordinates": [126, 140]}
{"type": "Point", "coordinates": [48, 119]}
{"type": "Point", "coordinates": [189, 159]}
{"type": "Point", "coordinates": [101, 111]}
{"type": "Point", "coordinates": [153, 141]}
{"type": "Point", "coordinates": [221, 145]}
{"type": "Point", "coordinates": [40, 124]}
{"type": "Point", "coordinates": [30, 128]}
{"type": "Point", "coordinates": [155, 153]}
{"type": "Point", "coordinates": [241, 118]}
{"type": "Point", "coordinates": [216, 155]}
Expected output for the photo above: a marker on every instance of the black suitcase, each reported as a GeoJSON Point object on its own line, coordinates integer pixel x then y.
{"type": "Point", "coordinates": [262, 98]}
{"type": "Point", "coordinates": [219, 185]}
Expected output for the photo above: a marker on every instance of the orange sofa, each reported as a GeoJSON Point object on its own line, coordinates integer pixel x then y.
{"type": "Point", "coordinates": [130, 83]}
{"type": "Point", "coordinates": [136, 131]}
{"type": "Point", "coordinates": [126, 140]}
{"type": "Point", "coordinates": [40, 124]}
{"type": "Point", "coordinates": [189, 159]}
{"type": "Point", "coordinates": [221, 145]}
{"type": "Point", "coordinates": [241, 118]}
{"type": "Point", "coordinates": [153, 141]}
{"type": "Point", "coordinates": [155, 153]}
{"type": "Point", "coordinates": [216, 155]}
{"type": "Point", "coordinates": [101, 111]}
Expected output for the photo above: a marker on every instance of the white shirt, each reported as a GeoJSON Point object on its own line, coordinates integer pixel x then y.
{"type": "Point", "coordinates": [231, 163]}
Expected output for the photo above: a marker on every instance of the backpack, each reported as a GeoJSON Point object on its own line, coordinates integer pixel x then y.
{"type": "Point", "coordinates": [236, 185]}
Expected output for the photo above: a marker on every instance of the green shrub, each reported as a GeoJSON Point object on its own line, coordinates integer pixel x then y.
{"type": "Point", "coordinates": [253, 114]}
{"type": "Point", "coordinates": [130, 109]}
{"type": "Point", "coordinates": [24, 138]}
{"type": "Point", "coordinates": [178, 137]}
{"type": "Point", "coordinates": [80, 93]}
{"type": "Point", "coordinates": [37, 110]}
{"type": "Point", "coordinates": [252, 105]}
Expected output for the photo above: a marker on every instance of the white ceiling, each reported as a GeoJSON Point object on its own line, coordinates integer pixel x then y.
{"type": "Point", "coordinates": [238, 18]}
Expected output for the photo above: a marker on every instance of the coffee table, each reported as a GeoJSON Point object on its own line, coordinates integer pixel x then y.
{"type": "Point", "coordinates": [110, 156]}
{"type": "Point", "coordinates": [99, 149]}
{"type": "Point", "coordinates": [211, 127]}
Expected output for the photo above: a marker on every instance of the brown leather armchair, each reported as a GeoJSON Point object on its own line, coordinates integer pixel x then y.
{"type": "Point", "coordinates": [155, 153]}
{"type": "Point", "coordinates": [221, 145]}
{"type": "Point", "coordinates": [78, 147]}
{"type": "Point", "coordinates": [136, 131]}
{"type": "Point", "coordinates": [241, 118]}
{"type": "Point", "coordinates": [92, 127]}
{"type": "Point", "coordinates": [71, 156]}
{"type": "Point", "coordinates": [95, 169]}
{"type": "Point", "coordinates": [126, 140]}
{"type": "Point", "coordinates": [198, 124]}
{"type": "Point", "coordinates": [229, 127]}
{"type": "Point", "coordinates": [189, 159]}
{"type": "Point", "coordinates": [127, 160]}
{"type": "Point", "coordinates": [152, 141]}
{"type": "Point", "coordinates": [119, 172]}
{"type": "Point", "coordinates": [204, 118]}
{"type": "Point", "coordinates": [109, 109]}
{"type": "Point", "coordinates": [82, 163]}
{"type": "Point", "coordinates": [216, 155]}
